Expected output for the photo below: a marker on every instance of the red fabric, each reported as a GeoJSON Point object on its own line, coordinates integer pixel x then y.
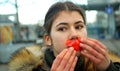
{"type": "Point", "coordinates": [74, 43]}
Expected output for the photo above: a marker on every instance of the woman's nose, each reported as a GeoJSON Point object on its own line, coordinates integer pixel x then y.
{"type": "Point", "coordinates": [73, 34]}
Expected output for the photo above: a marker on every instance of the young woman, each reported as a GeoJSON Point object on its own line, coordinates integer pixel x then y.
{"type": "Point", "coordinates": [66, 21]}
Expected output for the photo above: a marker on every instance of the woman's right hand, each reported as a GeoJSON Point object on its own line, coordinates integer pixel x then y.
{"type": "Point", "coordinates": [65, 61]}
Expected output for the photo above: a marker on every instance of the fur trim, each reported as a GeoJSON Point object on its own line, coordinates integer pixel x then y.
{"type": "Point", "coordinates": [27, 59]}
{"type": "Point", "coordinates": [114, 57]}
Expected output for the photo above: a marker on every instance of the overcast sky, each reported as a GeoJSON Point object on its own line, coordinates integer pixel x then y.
{"type": "Point", "coordinates": [30, 11]}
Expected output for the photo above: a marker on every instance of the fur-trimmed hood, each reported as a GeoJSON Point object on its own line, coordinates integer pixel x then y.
{"type": "Point", "coordinates": [27, 59]}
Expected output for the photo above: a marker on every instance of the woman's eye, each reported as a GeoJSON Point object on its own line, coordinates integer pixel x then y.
{"type": "Point", "coordinates": [62, 29]}
{"type": "Point", "coordinates": [79, 27]}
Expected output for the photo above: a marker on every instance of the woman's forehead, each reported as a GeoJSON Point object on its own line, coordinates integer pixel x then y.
{"type": "Point", "coordinates": [68, 16]}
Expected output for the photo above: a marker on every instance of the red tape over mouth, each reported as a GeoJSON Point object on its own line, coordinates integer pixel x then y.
{"type": "Point", "coordinates": [74, 43]}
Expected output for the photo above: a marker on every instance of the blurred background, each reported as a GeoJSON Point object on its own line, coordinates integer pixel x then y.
{"type": "Point", "coordinates": [21, 24]}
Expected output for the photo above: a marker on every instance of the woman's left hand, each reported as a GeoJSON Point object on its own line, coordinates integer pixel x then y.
{"type": "Point", "coordinates": [96, 52]}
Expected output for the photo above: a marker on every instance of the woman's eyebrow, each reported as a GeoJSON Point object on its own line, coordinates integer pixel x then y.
{"type": "Point", "coordinates": [79, 22]}
{"type": "Point", "coordinates": [62, 23]}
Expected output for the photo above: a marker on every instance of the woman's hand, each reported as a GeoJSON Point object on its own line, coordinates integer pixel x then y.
{"type": "Point", "coordinates": [65, 61]}
{"type": "Point", "coordinates": [96, 52]}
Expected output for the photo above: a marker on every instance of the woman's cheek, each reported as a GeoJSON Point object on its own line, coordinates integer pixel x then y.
{"type": "Point", "coordinates": [83, 34]}
{"type": "Point", "coordinates": [59, 42]}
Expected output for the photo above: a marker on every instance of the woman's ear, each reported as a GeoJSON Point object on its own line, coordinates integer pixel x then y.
{"type": "Point", "coordinates": [47, 39]}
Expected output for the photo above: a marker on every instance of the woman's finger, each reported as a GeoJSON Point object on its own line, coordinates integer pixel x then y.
{"type": "Point", "coordinates": [71, 61]}
{"type": "Point", "coordinates": [74, 64]}
{"type": "Point", "coordinates": [91, 57]}
{"type": "Point", "coordinates": [99, 43]}
{"type": "Point", "coordinates": [58, 60]}
{"type": "Point", "coordinates": [66, 58]}
{"type": "Point", "coordinates": [92, 52]}
{"type": "Point", "coordinates": [95, 45]}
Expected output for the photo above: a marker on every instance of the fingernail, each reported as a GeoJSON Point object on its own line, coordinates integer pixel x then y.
{"type": "Point", "coordinates": [81, 44]}
{"type": "Point", "coordinates": [71, 48]}
{"type": "Point", "coordinates": [81, 39]}
{"type": "Point", "coordinates": [65, 49]}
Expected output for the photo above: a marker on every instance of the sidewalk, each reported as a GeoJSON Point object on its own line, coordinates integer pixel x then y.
{"type": "Point", "coordinates": [3, 67]}
{"type": "Point", "coordinates": [6, 51]}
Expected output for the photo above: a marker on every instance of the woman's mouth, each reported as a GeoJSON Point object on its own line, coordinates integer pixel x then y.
{"type": "Point", "coordinates": [74, 43]}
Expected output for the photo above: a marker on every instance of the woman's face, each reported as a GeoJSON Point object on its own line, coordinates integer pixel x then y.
{"type": "Point", "coordinates": [67, 25]}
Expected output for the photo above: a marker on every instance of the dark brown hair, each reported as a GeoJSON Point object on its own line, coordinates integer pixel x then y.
{"type": "Point", "coordinates": [55, 9]}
